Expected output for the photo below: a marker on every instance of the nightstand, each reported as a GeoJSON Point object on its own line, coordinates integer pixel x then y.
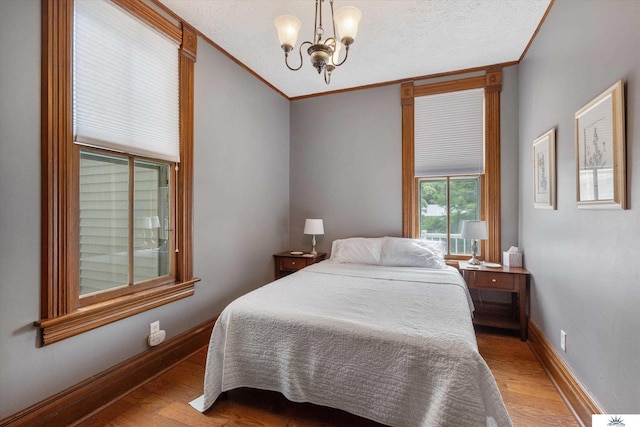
{"type": "Point", "coordinates": [287, 263]}
{"type": "Point", "coordinates": [514, 280]}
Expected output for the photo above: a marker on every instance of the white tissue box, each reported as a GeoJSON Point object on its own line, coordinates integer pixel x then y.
{"type": "Point", "coordinates": [512, 259]}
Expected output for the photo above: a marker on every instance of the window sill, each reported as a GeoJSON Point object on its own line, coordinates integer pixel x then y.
{"type": "Point", "coordinates": [96, 315]}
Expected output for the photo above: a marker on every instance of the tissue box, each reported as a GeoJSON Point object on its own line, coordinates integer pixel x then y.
{"type": "Point", "coordinates": [512, 259]}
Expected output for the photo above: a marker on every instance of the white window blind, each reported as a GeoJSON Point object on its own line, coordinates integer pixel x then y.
{"type": "Point", "coordinates": [126, 83]}
{"type": "Point", "coordinates": [449, 133]}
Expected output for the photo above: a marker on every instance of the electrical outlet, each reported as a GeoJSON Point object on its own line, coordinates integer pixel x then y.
{"type": "Point", "coordinates": [154, 327]}
{"type": "Point", "coordinates": [563, 340]}
{"type": "Point", "coordinates": [156, 338]}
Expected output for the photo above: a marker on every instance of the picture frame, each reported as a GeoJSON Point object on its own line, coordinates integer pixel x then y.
{"type": "Point", "coordinates": [600, 151]}
{"type": "Point", "coordinates": [544, 171]}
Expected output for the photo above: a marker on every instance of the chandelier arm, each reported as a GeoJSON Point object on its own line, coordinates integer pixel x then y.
{"type": "Point", "coordinates": [286, 55]}
{"type": "Point", "coordinates": [346, 55]}
{"type": "Point", "coordinates": [327, 41]}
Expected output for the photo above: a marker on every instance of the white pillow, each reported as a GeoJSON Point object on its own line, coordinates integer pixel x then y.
{"type": "Point", "coordinates": [400, 252]}
{"type": "Point", "coordinates": [357, 250]}
{"type": "Point", "coordinates": [438, 246]}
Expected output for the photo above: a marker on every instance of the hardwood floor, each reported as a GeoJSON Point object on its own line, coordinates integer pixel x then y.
{"type": "Point", "coordinates": [527, 391]}
{"type": "Point", "coordinates": [528, 394]}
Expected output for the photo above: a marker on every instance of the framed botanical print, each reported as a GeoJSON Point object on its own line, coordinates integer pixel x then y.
{"type": "Point", "coordinates": [600, 151]}
{"type": "Point", "coordinates": [544, 171]}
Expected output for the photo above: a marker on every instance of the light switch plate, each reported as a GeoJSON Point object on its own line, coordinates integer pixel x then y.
{"type": "Point", "coordinates": [154, 327]}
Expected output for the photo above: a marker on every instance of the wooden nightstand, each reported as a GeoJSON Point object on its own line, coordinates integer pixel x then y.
{"type": "Point", "coordinates": [286, 263]}
{"type": "Point", "coordinates": [504, 279]}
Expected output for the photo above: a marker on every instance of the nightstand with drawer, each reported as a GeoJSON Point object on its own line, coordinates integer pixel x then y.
{"type": "Point", "coordinates": [514, 280]}
{"type": "Point", "coordinates": [287, 263]}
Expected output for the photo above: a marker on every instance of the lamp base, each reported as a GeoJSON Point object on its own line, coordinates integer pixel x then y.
{"type": "Point", "coordinates": [474, 261]}
{"type": "Point", "coordinates": [474, 251]}
{"type": "Point", "coordinates": [313, 246]}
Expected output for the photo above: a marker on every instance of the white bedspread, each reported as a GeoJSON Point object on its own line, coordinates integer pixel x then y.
{"type": "Point", "coordinates": [392, 344]}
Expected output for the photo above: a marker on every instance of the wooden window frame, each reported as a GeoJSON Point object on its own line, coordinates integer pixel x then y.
{"type": "Point", "coordinates": [491, 82]}
{"type": "Point", "coordinates": [61, 314]}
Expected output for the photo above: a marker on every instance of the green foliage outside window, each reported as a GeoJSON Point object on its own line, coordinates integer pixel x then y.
{"type": "Point", "coordinates": [437, 208]}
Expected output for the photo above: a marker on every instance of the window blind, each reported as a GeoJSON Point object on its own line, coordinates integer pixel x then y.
{"type": "Point", "coordinates": [125, 83]}
{"type": "Point", "coordinates": [449, 133]}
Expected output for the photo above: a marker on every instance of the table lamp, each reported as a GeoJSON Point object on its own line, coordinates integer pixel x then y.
{"type": "Point", "coordinates": [313, 227]}
{"type": "Point", "coordinates": [474, 230]}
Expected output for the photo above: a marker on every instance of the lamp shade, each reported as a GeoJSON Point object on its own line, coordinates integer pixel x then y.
{"type": "Point", "coordinates": [313, 226]}
{"type": "Point", "coordinates": [347, 19]}
{"type": "Point", "coordinates": [288, 27]}
{"type": "Point", "coordinates": [474, 230]}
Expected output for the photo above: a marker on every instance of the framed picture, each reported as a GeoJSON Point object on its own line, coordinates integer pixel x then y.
{"type": "Point", "coordinates": [600, 151]}
{"type": "Point", "coordinates": [544, 171]}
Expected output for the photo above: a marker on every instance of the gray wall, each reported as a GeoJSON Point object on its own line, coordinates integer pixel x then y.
{"type": "Point", "coordinates": [241, 179]}
{"type": "Point", "coordinates": [509, 152]}
{"type": "Point", "coordinates": [346, 158]}
{"type": "Point", "coordinates": [240, 219]}
{"type": "Point", "coordinates": [346, 164]}
{"type": "Point", "coordinates": [584, 262]}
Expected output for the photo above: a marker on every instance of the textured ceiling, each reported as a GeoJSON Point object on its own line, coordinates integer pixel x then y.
{"type": "Point", "coordinates": [397, 39]}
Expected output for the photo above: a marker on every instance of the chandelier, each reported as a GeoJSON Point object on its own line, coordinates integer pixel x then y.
{"type": "Point", "coordinates": [324, 54]}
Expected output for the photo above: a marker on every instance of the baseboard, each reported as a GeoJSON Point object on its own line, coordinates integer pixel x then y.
{"type": "Point", "coordinates": [82, 399]}
{"type": "Point", "coordinates": [581, 404]}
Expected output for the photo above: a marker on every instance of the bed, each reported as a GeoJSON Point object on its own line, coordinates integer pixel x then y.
{"type": "Point", "coordinates": [391, 343]}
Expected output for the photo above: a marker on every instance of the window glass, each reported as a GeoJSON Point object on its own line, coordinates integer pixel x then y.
{"type": "Point", "coordinates": [151, 210]}
{"type": "Point", "coordinates": [104, 222]}
{"type": "Point", "coordinates": [433, 209]}
{"type": "Point", "coordinates": [464, 203]}
{"type": "Point", "coordinates": [444, 204]}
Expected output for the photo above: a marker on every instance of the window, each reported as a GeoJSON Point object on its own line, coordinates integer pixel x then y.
{"type": "Point", "coordinates": [125, 217]}
{"type": "Point", "coordinates": [446, 125]}
{"type": "Point", "coordinates": [451, 162]}
{"type": "Point", "coordinates": [117, 163]}
{"type": "Point", "coordinates": [444, 204]}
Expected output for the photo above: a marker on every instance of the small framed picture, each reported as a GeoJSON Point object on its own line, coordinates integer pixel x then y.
{"type": "Point", "coordinates": [600, 151]}
{"type": "Point", "coordinates": [544, 171]}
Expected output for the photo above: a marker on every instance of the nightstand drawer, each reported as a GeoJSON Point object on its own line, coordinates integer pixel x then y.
{"type": "Point", "coordinates": [490, 280]}
{"type": "Point", "coordinates": [292, 263]}
{"type": "Point", "coordinates": [287, 263]}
